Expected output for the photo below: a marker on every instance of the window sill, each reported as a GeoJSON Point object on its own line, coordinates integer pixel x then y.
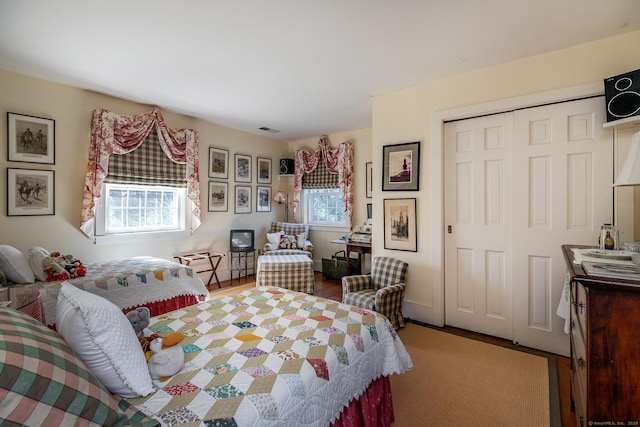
{"type": "Point", "coordinates": [112, 239]}
{"type": "Point", "coordinates": [330, 228]}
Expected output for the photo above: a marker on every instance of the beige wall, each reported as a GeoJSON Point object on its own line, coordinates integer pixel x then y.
{"type": "Point", "coordinates": [407, 115]}
{"type": "Point", "coordinates": [72, 110]}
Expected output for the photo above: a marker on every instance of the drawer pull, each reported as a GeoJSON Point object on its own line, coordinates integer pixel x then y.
{"type": "Point", "coordinates": [580, 362]}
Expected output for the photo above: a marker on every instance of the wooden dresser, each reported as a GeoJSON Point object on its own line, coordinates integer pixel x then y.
{"type": "Point", "coordinates": [605, 348]}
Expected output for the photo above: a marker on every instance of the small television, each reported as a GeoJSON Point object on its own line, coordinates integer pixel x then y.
{"type": "Point", "coordinates": [241, 240]}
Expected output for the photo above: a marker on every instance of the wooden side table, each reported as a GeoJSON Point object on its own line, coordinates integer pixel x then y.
{"type": "Point", "coordinates": [357, 247]}
{"type": "Point", "coordinates": [214, 261]}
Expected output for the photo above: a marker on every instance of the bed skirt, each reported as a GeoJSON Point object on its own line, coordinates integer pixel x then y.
{"type": "Point", "coordinates": [374, 408]}
{"type": "Point", "coordinates": [161, 307]}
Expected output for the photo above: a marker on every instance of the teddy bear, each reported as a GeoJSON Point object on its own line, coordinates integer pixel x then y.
{"type": "Point", "coordinates": [167, 356]}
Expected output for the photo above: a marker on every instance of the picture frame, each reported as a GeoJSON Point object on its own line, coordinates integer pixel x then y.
{"type": "Point", "coordinates": [400, 231]}
{"type": "Point", "coordinates": [243, 199]}
{"type": "Point", "coordinates": [401, 167]}
{"type": "Point", "coordinates": [263, 199]}
{"type": "Point", "coordinates": [30, 192]}
{"type": "Point", "coordinates": [369, 180]}
{"type": "Point", "coordinates": [30, 139]}
{"type": "Point", "coordinates": [218, 196]}
{"type": "Point", "coordinates": [218, 163]}
{"type": "Point", "coordinates": [263, 168]}
{"type": "Point", "coordinates": [243, 168]}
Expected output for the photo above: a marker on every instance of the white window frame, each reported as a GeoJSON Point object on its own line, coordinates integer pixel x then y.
{"type": "Point", "coordinates": [102, 228]}
{"type": "Point", "coordinates": [305, 202]}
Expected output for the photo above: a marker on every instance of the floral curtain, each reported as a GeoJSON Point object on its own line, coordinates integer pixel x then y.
{"type": "Point", "coordinates": [337, 160]}
{"type": "Point", "coordinates": [112, 133]}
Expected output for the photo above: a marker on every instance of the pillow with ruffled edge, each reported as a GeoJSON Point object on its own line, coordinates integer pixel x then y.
{"type": "Point", "coordinates": [288, 242]}
{"type": "Point", "coordinates": [102, 337]}
{"type": "Point", "coordinates": [275, 237]}
{"type": "Point", "coordinates": [36, 258]}
{"type": "Point", "coordinates": [60, 387]}
{"type": "Point", "coordinates": [15, 265]}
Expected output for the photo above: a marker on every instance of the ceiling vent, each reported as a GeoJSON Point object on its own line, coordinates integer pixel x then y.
{"type": "Point", "coordinates": [267, 129]}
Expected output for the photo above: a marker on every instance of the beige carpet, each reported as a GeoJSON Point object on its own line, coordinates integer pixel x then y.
{"type": "Point", "coordinates": [458, 381]}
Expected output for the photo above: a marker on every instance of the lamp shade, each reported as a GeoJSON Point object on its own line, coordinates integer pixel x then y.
{"type": "Point", "coordinates": [630, 174]}
{"type": "Point", "coordinates": [280, 197]}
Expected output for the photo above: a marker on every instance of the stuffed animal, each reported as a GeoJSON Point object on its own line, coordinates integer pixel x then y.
{"type": "Point", "coordinates": [60, 267]}
{"type": "Point", "coordinates": [167, 356]}
{"type": "Point", "coordinates": [139, 319]}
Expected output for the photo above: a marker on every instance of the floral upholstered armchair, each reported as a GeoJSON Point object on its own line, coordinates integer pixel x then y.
{"type": "Point", "coordinates": [381, 291]}
{"type": "Point", "coordinates": [286, 238]}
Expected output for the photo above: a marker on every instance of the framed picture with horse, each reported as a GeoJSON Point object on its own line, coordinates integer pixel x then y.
{"type": "Point", "coordinates": [30, 139]}
{"type": "Point", "coordinates": [30, 192]}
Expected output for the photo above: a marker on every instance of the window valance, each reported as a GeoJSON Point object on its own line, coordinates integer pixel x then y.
{"type": "Point", "coordinates": [338, 160]}
{"type": "Point", "coordinates": [112, 133]}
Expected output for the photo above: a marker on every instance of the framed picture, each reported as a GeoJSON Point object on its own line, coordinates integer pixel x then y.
{"type": "Point", "coordinates": [263, 199]}
{"type": "Point", "coordinates": [218, 196]}
{"type": "Point", "coordinates": [243, 168]}
{"type": "Point", "coordinates": [264, 170]}
{"type": "Point", "coordinates": [30, 139]}
{"type": "Point", "coordinates": [218, 163]}
{"type": "Point", "coordinates": [30, 192]}
{"type": "Point", "coordinates": [243, 199]}
{"type": "Point", "coordinates": [369, 180]}
{"type": "Point", "coordinates": [401, 167]}
{"type": "Point", "coordinates": [400, 225]}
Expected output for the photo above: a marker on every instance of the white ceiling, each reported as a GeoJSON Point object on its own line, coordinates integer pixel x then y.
{"type": "Point", "coordinates": [303, 67]}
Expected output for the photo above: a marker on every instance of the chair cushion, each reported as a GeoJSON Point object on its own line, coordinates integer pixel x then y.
{"type": "Point", "coordinates": [365, 299]}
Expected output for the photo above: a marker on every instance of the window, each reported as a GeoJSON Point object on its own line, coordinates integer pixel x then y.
{"type": "Point", "coordinates": [324, 207]}
{"type": "Point", "coordinates": [131, 208]}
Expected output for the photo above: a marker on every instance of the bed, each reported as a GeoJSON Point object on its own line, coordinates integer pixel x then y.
{"type": "Point", "coordinates": [129, 283]}
{"type": "Point", "coordinates": [265, 356]}
{"type": "Point", "coordinates": [273, 356]}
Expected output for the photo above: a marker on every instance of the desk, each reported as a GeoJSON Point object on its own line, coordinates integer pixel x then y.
{"type": "Point", "coordinates": [214, 260]}
{"type": "Point", "coordinates": [357, 247]}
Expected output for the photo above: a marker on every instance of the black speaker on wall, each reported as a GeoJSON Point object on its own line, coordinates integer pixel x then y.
{"type": "Point", "coordinates": [622, 95]}
{"type": "Point", "coordinates": [286, 167]}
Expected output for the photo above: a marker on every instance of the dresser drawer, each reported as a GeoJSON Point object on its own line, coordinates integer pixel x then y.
{"type": "Point", "coordinates": [579, 299]}
{"type": "Point", "coordinates": [579, 362]}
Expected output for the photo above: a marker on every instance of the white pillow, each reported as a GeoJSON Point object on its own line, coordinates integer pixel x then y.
{"type": "Point", "coordinates": [36, 256]}
{"type": "Point", "coordinates": [102, 337]}
{"type": "Point", "coordinates": [301, 239]}
{"type": "Point", "coordinates": [275, 237]}
{"type": "Point", "coordinates": [15, 265]}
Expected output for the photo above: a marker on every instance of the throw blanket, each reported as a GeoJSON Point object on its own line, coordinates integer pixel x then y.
{"type": "Point", "coordinates": [272, 357]}
{"type": "Point", "coordinates": [128, 283]}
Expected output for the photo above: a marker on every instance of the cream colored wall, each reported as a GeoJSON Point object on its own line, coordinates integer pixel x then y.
{"type": "Point", "coordinates": [72, 111]}
{"type": "Point", "coordinates": [361, 140]}
{"type": "Point", "coordinates": [406, 115]}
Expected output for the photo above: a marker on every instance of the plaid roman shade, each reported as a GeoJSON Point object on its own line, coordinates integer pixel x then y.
{"type": "Point", "coordinates": [146, 165]}
{"type": "Point", "coordinates": [320, 177]}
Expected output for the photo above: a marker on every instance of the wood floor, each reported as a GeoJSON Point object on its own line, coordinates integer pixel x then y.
{"type": "Point", "coordinates": [332, 289]}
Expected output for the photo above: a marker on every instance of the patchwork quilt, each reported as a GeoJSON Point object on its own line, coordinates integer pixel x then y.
{"type": "Point", "coordinates": [128, 283]}
{"type": "Point", "coordinates": [270, 356]}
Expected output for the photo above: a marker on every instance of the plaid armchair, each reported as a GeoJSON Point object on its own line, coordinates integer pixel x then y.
{"type": "Point", "coordinates": [381, 291]}
{"type": "Point", "coordinates": [292, 229]}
